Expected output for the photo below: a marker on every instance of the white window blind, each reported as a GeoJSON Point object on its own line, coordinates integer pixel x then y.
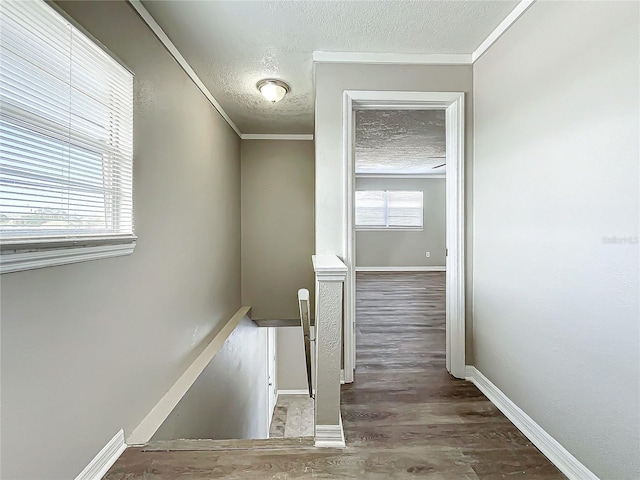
{"type": "Point", "coordinates": [66, 132]}
{"type": "Point", "coordinates": [389, 209]}
{"type": "Point", "coordinates": [371, 209]}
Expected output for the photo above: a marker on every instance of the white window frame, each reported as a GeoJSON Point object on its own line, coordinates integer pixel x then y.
{"type": "Point", "coordinates": [32, 253]}
{"type": "Point", "coordinates": [387, 227]}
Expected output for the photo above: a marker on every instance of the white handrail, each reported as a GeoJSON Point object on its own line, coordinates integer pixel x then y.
{"type": "Point", "coordinates": [158, 414]}
{"type": "Point", "coordinates": [305, 316]}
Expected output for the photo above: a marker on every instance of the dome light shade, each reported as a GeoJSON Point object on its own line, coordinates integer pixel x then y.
{"type": "Point", "coordinates": [273, 90]}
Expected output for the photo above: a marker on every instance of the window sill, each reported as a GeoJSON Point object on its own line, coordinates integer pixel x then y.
{"type": "Point", "coordinates": [17, 258]}
{"type": "Point", "coordinates": [389, 229]}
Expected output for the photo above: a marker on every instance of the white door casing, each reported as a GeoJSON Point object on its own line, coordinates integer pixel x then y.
{"type": "Point", "coordinates": [453, 105]}
{"type": "Point", "coordinates": [271, 374]}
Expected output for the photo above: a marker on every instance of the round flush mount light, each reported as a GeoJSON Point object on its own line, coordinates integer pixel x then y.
{"type": "Point", "coordinates": [272, 89]}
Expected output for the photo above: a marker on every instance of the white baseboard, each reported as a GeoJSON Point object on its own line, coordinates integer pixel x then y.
{"type": "Point", "coordinates": [330, 436]}
{"type": "Point", "coordinates": [303, 391]}
{"type": "Point", "coordinates": [401, 269]}
{"type": "Point", "coordinates": [102, 462]}
{"type": "Point", "coordinates": [556, 453]}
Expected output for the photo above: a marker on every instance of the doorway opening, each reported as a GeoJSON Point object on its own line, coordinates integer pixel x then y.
{"type": "Point", "coordinates": [450, 107]}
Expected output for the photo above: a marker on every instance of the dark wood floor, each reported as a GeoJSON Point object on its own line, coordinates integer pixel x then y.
{"type": "Point", "coordinates": [406, 408]}
{"type": "Point", "coordinates": [404, 416]}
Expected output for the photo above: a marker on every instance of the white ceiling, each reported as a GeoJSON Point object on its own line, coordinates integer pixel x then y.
{"type": "Point", "coordinates": [400, 142]}
{"type": "Point", "coordinates": [232, 45]}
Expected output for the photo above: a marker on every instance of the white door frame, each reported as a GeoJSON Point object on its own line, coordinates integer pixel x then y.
{"type": "Point", "coordinates": [272, 374]}
{"type": "Point", "coordinates": [453, 104]}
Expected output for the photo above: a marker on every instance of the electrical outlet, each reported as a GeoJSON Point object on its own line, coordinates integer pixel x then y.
{"type": "Point", "coordinates": [428, 254]}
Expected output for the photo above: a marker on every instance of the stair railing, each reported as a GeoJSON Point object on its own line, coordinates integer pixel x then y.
{"type": "Point", "coordinates": [305, 320]}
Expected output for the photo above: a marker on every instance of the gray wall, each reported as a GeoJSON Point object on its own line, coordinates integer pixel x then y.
{"type": "Point", "coordinates": [292, 374]}
{"type": "Point", "coordinates": [331, 80]}
{"type": "Point", "coordinates": [556, 176]}
{"type": "Point", "coordinates": [278, 240]}
{"type": "Point", "coordinates": [406, 248]}
{"type": "Point", "coordinates": [226, 402]}
{"type": "Point", "coordinates": [88, 349]}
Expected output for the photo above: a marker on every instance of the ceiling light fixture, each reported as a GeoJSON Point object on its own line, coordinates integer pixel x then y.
{"type": "Point", "coordinates": [273, 90]}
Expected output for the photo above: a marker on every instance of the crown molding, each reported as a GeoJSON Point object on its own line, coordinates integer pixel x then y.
{"type": "Point", "coordinates": [509, 20]}
{"type": "Point", "coordinates": [276, 136]}
{"type": "Point", "coordinates": [175, 53]}
{"type": "Point", "coordinates": [333, 57]}
{"type": "Point", "coordinates": [392, 58]}
{"type": "Point", "coordinates": [426, 59]}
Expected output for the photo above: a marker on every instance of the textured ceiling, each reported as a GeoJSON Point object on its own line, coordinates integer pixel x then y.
{"type": "Point", "coordinates": [233, 44]}
{"type": "Point", "coordinates": [400, 142]}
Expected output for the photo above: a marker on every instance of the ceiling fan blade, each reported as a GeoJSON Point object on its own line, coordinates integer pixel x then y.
{"type": "Point", "coordinates": [438, 166]}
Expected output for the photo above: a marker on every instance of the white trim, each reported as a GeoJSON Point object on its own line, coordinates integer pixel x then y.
{"type": "Point", "coordinates": [554, 451]}
{"type": "Point", "coordinates": [393, 100]}
{"type": "Point", "coordinates": [333, 57]}
{"type": "Point", "coordinates": [400, 176]}
{"type": "Point", "coordinates": [276, 136]}
{"type": "Point", "coordinates": [399, 105]}
{"type": "Point", "coordinates": [392, 58]}
{"type": "Point", "coordinates": [158, 414]}
{"type": "Point", "coordinates": [28, 260]}
{"type": "Point", "coordinates": [453, 104]}
{"type": "Point", "coordinates": [501, 28]}
{"type": "Point", "coordinates": [349, 222]}
{"type": "Point", "coordinates": [272, 368]}
{"type": "Point", "coordinates": [103, 461]}
{"type": "Point", "coordinates": [302, 391]}
{"type": "Point", "coordinates": [389, 229]}
{"type": "Point", "coordinates": [455, 232]}
{"type": "Point", "coordinates": [402, 269]}
{"type": "Point", "coordinates": [330, 436]}
{"type": "Point", "coordinates": [342, 382]}
{"type": "Point", "coordinates": [175, 53]}
{"type": "Point", "coordinates": [329, 268]}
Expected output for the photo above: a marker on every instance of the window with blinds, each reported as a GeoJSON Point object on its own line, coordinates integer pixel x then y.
{"type": "Point", "coordinates": [384, 209]}
{"type": "Point", "coordinates": [66, 133]}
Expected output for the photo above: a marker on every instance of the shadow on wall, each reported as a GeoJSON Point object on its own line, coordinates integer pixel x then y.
{"type": "Point", "coordinates": [229, 398]}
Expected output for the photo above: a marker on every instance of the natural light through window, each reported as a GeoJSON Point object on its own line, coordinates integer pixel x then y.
{"type": "Point", "coordinates": [389, 209]}
{"type": "Point", "coordinates": [66, 133]}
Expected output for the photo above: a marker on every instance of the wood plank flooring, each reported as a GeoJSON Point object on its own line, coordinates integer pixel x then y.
{"type": "Point", "coordinates": [404, 416]}
{"type": "Point", "coordinates": [403, 400]}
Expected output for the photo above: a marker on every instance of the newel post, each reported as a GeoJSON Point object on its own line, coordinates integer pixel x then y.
{"type": "Point", "coordinates": [330, 276]}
